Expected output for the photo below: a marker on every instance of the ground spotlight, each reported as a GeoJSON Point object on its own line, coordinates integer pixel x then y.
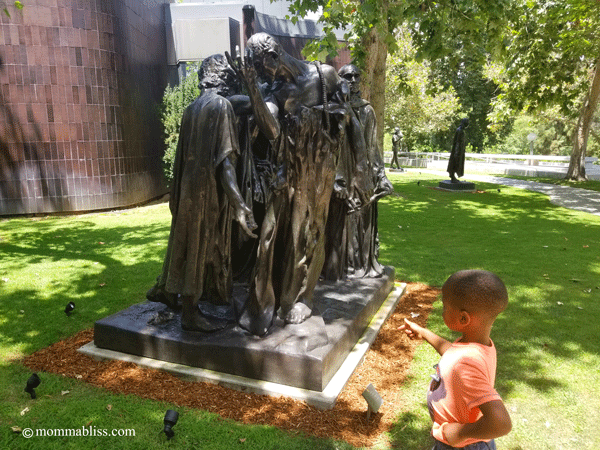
{"type": "Point", "coordinates": [170, 421]}
{"type": "Point", "coordinates": [69, 308]}
{"type": "Point", "coordinates": [32, 383]}
{"type": "Point", "coordinates": [374, 400]}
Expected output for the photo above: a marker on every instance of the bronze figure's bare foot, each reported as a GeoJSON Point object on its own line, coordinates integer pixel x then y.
{"type": "Point", "coordinates": [298, 314]}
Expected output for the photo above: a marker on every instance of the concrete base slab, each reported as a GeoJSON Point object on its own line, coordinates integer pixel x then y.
{"type": "Point", "coordinates": [304, 355]}
{"type": "Point", "coordinates": [461, 186]}
{"type": "Point", "coordinates": [324, 399]}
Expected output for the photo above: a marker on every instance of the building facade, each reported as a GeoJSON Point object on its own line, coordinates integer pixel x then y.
{"type": "Point", "coordinates": [80, 82]}
{"type": "Point", "coordinates": [80, 86]}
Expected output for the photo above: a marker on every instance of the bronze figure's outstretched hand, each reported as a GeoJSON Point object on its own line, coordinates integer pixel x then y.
{"type": "Point", "coordinates": [244, 216]}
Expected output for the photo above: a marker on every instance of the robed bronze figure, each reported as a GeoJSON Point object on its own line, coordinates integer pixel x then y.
{"type": "Point", "coordinates": [205, 199]}
{"type": "Point", "coordinates": [456, 163]}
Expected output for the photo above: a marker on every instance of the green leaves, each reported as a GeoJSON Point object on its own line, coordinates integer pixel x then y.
{"type": "Point", "coordinates": [556, 44]}
{"type": "Point", "coordinates": [357, 18]}
{"type": "Point", "coordinates": [415, 103]}
{"type": "Point", "coordinates": [17, 4]}
{"type": "Point", "coordinates": [175, 100]}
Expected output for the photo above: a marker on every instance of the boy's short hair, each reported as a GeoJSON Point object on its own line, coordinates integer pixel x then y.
{"type": "Point", "coordinates": [477, 291]}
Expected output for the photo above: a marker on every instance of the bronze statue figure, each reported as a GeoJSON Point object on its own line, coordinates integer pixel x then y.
{"type": "Point", "coordinates": [353, 246]}
{"type": "Point", "coordinates": [308, 102]}
{"type": "Point", "coordinates": [256, 171]}
{"type": "Point", "coordinates": [456, 163]}
{"type": "Point", "coordinates": [396, 147]}
{"type": "Point", "coordinates": [205, 198]}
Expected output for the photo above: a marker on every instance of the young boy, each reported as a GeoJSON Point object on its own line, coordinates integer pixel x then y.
{"type": "Point", "coordinates": [466, 410]}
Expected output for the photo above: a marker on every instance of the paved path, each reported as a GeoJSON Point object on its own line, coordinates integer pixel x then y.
{"type": "Point", "coordinates": [573, 198]}
{"type": "Point", "coordinates": [568, 197]}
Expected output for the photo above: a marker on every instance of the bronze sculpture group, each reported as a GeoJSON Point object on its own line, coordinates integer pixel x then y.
{"type": "Point", "coordinates": [272, 191]}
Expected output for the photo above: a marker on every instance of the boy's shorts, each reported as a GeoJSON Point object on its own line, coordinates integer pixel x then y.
{"type": "Point", "coordinates": [476, 446]}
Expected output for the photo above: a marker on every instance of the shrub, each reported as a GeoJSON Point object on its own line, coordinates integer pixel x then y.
{"type": "Point", "coordinates": [175, 100]}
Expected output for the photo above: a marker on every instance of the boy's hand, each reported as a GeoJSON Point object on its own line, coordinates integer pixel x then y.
{"type": "Point", "coordinates": [412, 330]}
{"type": "Point", "coordinates": [451, 431]}
{"type": "Point", "coordinates": [494, 423]}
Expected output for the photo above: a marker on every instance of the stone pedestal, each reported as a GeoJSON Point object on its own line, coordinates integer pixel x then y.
{"type": "Point", "coordinates": [306, 355]}
{"type": "Point", "coordinates": [461, 186]}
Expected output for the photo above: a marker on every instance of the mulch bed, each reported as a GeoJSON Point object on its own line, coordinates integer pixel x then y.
{"type": "Point", "coordinates": [385, 365]}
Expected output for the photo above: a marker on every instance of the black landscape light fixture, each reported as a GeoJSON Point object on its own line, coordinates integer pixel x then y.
{"type": "Point", "coordinates": [69, 308]}
{"type": "Point", "coordinates": [170, 420]}
{"type": "Point", "coordinates": [33, 382]}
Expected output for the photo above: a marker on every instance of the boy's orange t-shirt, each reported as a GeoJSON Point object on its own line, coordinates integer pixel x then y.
{"type": "Point", "coordinates": [466, 374]}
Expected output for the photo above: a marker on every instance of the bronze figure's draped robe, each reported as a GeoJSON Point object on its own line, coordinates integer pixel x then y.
{"type": "Point", "coordinates": [456, 163]}
{"type": "Point", "coordinates": [198, 259]}
{"type": "Point", "coordinates": [352, 245]}
{"type": "Point", "coordinates": [291, 250]}
{"type": "Point", "coordinates": [363, 245]}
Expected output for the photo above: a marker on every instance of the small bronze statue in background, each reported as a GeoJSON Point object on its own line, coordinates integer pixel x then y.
{"type": "Point", "coordinates": [456, 163]}
{"type": "Point", "coordinates": [396, 147]}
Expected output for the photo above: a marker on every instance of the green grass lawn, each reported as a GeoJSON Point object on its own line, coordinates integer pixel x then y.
{"type": "Point", "coordinates": [548, 346]}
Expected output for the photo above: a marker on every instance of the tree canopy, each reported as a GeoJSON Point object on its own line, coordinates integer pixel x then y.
{"type": "Point", "coordinates": [434, 25]}
{"type": "Point", "coordinates": [549, 51]}
{"type": "Point", "coordinates": [553, 58]}
{"type": "Point", "coordinates": [371, 27]}
{"type": "Point", "coordinates": [552, 48]}
{"type": "Point", "coordinates": [417, 105]}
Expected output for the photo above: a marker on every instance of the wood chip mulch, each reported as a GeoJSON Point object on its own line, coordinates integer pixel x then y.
{"type": "Point", "coordinates": [385, 365]}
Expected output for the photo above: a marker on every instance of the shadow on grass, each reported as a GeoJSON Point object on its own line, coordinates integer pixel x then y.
{"type": "Point", "coordinates": [101, 269]}
{"type": "Point", "coordinates": [547, 256]}
{"type": "Point", "coordinates": [409, 433]}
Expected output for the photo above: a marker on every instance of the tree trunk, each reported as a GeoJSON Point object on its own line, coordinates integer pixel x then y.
{"type": "Point", "coordinates": [373, 75]}
{"type": "Point", "coordinates": [581, 133]}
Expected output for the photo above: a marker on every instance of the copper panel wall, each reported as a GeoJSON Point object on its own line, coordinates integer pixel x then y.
{"type": "Point", "coordinates": [80, 82]}
{"type": "Point", "coordinates": [292, 37]}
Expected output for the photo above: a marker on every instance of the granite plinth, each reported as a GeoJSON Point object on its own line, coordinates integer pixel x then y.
{"type": "Point", "coordinates": [305, 356]}
{"type": "Point", "coordinates": [461, 186]}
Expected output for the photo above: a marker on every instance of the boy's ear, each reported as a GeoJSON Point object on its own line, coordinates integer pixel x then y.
{"type": "Point", "coordinates": [465, 318]}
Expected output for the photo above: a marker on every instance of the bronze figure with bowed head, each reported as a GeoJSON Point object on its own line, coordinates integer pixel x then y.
{"type": "Point", "coordinates": [205, 199]}
{"type": "Point", "coordinates": [308, 101]}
